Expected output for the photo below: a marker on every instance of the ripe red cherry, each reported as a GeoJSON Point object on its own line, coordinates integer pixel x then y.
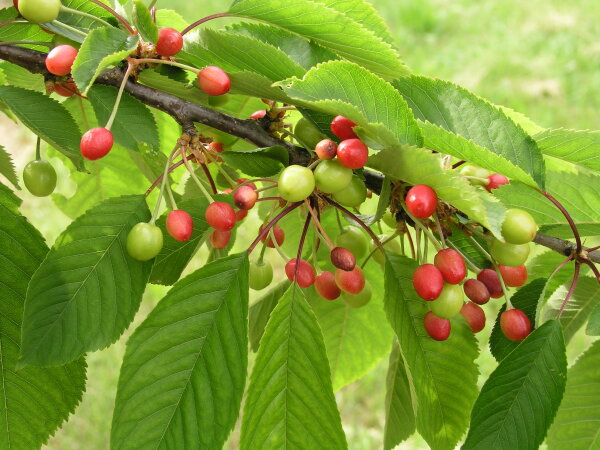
{"type": "Point", "coordinates": [214, 81]}
{"type": "Point", "coordinates": [343, 259]}
{"type": "Point", "coordinates": [67, 89]}
{"type": "Point", "coordinates": [515, 324]}
{"type": "Point", "coordinates": [256, 115]}
{"type": "Point", "coordinates": [170, 42]}
{"type": "Point", "coordinates": [476, 291]}
{"type": "Point", "coordinates": [220, 216]}
{"type": "Point", "coordinates": [436, 327]}
{"type": "Point", "coordinates": [180, 225]}
{"type": "Point", "coordinates": [326, 149]}
{"type": "Point", "coordinates": [96, 143]}
{"type": "Point", "coordinates": [513, 276]}
{"type": "Point", "coordinates": [428, 282]}
{"type": "Point", "coordinates": [342, 128]}
{"type": "Point", "coordinates": [495, 181]}
{"type": "Point", "coordinates": [489, 277]}
{"type": "Point", "coordinates": [60, 59]}
{"type": "Point", "coordinates": [352, 281]}
{"type": "Point", "coordinates": [305, 276]}
{"type": "Point", "coordinates": [241, 181]}
{"type": "Point", "coordinates": [216, 146]}
{"type": "Point", "coordinates": [421, 201]}
{"type": "Point", "coordinates": [352, 153]}
{"type": "Point", "coordinates": [279, 234]}
{"type": "Point", "coordinates": [326, 286]}
{"type": "Point", "coordinates": [219, 239]}
{"type": "Point", "coordinates": [245, 197]}
{"type": "Point", "coordinates": [451, 264]}
{"type": "Point", "coordinates": [240, 215]}
{"type": "Point", "coordinates": [474, 315]}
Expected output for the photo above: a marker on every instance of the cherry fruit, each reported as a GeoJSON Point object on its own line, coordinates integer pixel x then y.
{"type": "Point", "coordinates": [490, 279]}
{"type": "Point", "coordinates": [40, 178]}
{"type": "Point", "coordinates": [449, 303]}
{"type": "Point", "coordinates": [451, 264]}
{"type": "Point", "coordinates": [474, 316]}
{"type": "Point", "coordinates": [256, 115]}
{"type": "Point", "coordinates": [326, 286]}
{"type": "Point", "coordinates": [477, 175]}
{"type": "Point", "coordinates": [353, 239]}
{"type": "Point", "coordinates": [477, 291]}
{"type": "Point", "coordinates": [518, 227]}
{"type": "Point", "coordinates": [307, 133]}
{"type": "Point", "coordinates": [436, 327]}
{"type": "Point", "coordinates": [352, 281]}
{"type": "Point", "coordinates": [96, 143]}
{"type": "Point", "coordinates": [260, 275]}
{"type": "Point", "coordinates": [507, 254]}
{"type": "Point", "coordinates": [305, 276]}
{"type": "Point", "coordinates": [220, 239]}
{"type": "Point", "coordinates": [180, 225]}
{"type": "Point", "coordinates": [60, 60]}
{"type": "Point", "coordinates": [421, 201]}
{"type": "Point", "coordinates": [358, 300]}
{"type": "Point", "coordinates": [220, 216]}
{"type": "Point", "coordinates": [296, 183]}
{"type": "Point", "coordinates": [214, 81]}
{"type": "Point", "coordinates": [331, 176]}
{"type": "Point", "coordinates": [343, 259]}
{"type": "Point", "coordinates": [245, 197]}
{"type": "Point", "coordinates": [170, 42]}
{"type": "Point", "coordinates": [495, 181]}
{"type": "Point", "coordinates": [352, 153]}
{"type": "Point", "coordinates": [240, 215]}
{"type": "Point", "coordinates": [352, 195]}
{"type": "Point", "coordinates": [39, 11]}
{"type": "Point", "coordinates": [66, 89]}
{"type": "Point", "coordinates": [144, 241]}
{"type": "Point", "coordinates": [515, 324]}
{"type": "Point", "coordinates": [342, 128]}
{"type": "Point", "coordinates": [326, 149]}
{"type": "Point", "coordinates": [513, 276]}
{"type": "Point", "coordinates": [279, 234]}
{"type": "Point", "coordinates": [428, 282]}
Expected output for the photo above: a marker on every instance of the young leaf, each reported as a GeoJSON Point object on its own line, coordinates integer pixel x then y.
{"type": "Point", "coordinates": [259, 162]}
{"type": "Point", "coordinates": [77, 20]}
{"type": "Point", "coordinates": [519, 400]}
{"type": "Point", "coordinates": [88, 289]}
{"type": "Point", "coordinates": [184, 369]}
{"type": "Point", "coordinates": [47, 118]}
{"type": "Point", "coordinates": [576, 423]}
{"type": "Point", "coordinates": [260, 312]}
{"type": "Point", "coordinates": [144, 23]}
{"type": "Point", "coordinates": [101, 48]}
{"type": "Point", "coordinates": [290, 400]}
{"type": "Point", "coordinates": [443, 375]}
{"type": "Point", "coordinates": [35, 401]}
{"type": "Point", "coordinates": [581, 148]}
{"type": "Point", "coordinates": [7, 167]}
{"type": "Point", "coordinates": [461, 112]}
{"type": "Point", "coordinates": [21, 31]}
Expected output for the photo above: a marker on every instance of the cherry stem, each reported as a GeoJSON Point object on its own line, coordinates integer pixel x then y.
{"type": "Point", "coordinates": [38, 145]}
{"type": "Point", "coordinates": [372, 252]}
{"type": "Point", "coordinates": [263, 233]}
{"type": "Point", "coordinates": [571, 289]}
{"type": "Point", "coordinates": [319, 225]}
{"type": "Point", "coordinates": [113, 114]}
{"type": "Point", "coordinates": [84, 14]}
{"type": "Point", "coordinates": [162, 187]}
{"type": "Point", "coordinates": [504, 288]}
{"type": "Point", "coordinates": [301, 244]}
{"type": "Point", "coordinates": [458, 164]}
{"type": "Point", "coordinates": [209, 177]}
{"type": "Point", "coordinates": [116, 15]}
{"type": "Point", "coordinates": [257, 180]}
{"type": "Point", "coordinates": [68, 27]}
{"type": "Point", "coordinates": [263, 189]}
{"type": "Point", "coordinates": [593, 249]}
{"type": "Point", "coordinates": [439, 229]}
{"type": "Point", "coordinates": [470, 263]}
{"type": "Point", "coordinates": [195, 178]}
{"type": "Point", "coordinates": [152, 4]}
{"type": "Point", "coordinates": [565, 213]}
{"type": "Point", "coordinates": [159, 179]}
{"type": "Point", "coordinates": [203, 20]}
{"type": "Point", "coordinates": [481, 249]}
{"type": "Point", "coordinates": [231, 182]}
{"type": "Point", "coordinates": [412, 245]}
{"type": "Point", "coordinates": [266, 199]}
{"type": "Point", "coordinates": [594, 268]}
{"type": "Point", "coordinates": [164, 61]}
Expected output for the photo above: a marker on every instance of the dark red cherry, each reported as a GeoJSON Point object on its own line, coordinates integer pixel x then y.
{"type": "Point", "coordinates": [489, 277]}
{"type": "Point", "coordinates": [219, 239]}
{"type": "Point", "coordinates": [279, 234]}
{"type": "Point", "coordinates": [245, 197]}
{"type": "Point", "coordinates": [515, 324]}
{"type": "Point", "coordinates": [421, 201]}
{"type": "Point", "coordinates": [436, 327]}
{"type": "Point", "coordinates": [428, 282]}
{"type": "Point", "coordinates": [214, 81]}
{"type": "Point", "coordinates": [60, 59]}
{"type": "Point", "coordinates": [495, 181]}
{"type": "Point", "coordinates": [343, 259]}
{"type": "Point", "coordinates": [476, 291]}
{"type": "Point", "coordinates": [256, 115]}
{"type": "Point", "coordinates": [451, 264]}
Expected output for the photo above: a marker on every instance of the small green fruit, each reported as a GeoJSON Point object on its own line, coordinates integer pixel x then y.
{"type": "Point", "coordinates": [296, 183]}
{"type": "Point", "coordinates": [331, 176]}
{"type": "Point", "coordinates": [352, 195]}
{"type": "Point", "coordinates": [261, 275]}
{"type": "Point", "coordinates": [518, 227]}
{"type": "Point", "coordinates": [507, 254]}
{"type": "Point", "coordinates": [449, 303]}
{"type": "Point", "coordinates": [308, 133]}
{"type": "Point", "coordinates": [353, 239]}
{"type": "Point", "coordinates": [40, 178]}
{"type": "Point", "coordinates": [39, 11]}
{"type": "Point", "coordinates": [358, 300]}
{"type": "Point", "coordinates": [144, 241]}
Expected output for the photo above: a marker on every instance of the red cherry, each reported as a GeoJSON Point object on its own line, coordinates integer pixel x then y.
{"type": "Point", "coordinates": [214, 81]}
{"type": "Point", "coordinates": [326, 149]}
{"type": "Point", "coordinates": [66, 89]}
{"type": "Point", "coordinates": [474, 315]}
{"type": "Point", "coordinates": [305, 275]}
{"type": "Point", "coordinates": [279, 234]}
{"type": "Point", "coordinates": [428, 282]}
{"type": "Point", "coordinates": [513, 276]}
{"type": "Point", "coordinates": [96, 143]}
{"type": "Point", "coordinates": [240, 181]}
{"type": "Point", "coordinates": [170, 42]}
{"type": "Point", "coordinates": [240, 215]}
{"type": "Point", "coordinates": [343, 259]}
{"type": "Point", "coordinates": [342, 128]}
{"type": "Point", "coordinates": [256, 115]}
{"type": "Point", "coordinates": [326, 286]}
{"type": "Point", "coordinates": [180, 225]}
{"type": "Point", "coordinates": [421, 201]}
{"type": "Point", "coordinates": [60, 59]}
{"type": "Point", "coordinates": [245, 197]}
{"type": "Point", "coordinates": [352, 153]}
{"type": "Point", "coordinates": [220, 216]}
{"type": "Point", "coordinates": [495, 181]}
{"type": "Point", "coordinates": [352, 281]}
{"type": "Point", "coordinates": [490, 278]}
{"type": "Point", "coordinates": [515, 324]}
{"type": "Point", "coordinates": [219, 239]}
{"type": "Point", "coordinates": [16, 3]}
{"type": "Point", "coordinates": [476, 291]}
{"type": "Point", "coordinates": [436, 327]}
{"type": "Point", "coordinates": [216, 147]}
{"type": "Point", "coordinates": [451, 264]}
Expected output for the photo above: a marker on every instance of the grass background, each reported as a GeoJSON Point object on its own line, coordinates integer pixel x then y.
{"type": "Point", "coordinates": [540, 57]}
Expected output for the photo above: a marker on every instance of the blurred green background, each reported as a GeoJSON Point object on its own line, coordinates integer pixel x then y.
{"type": "Point", "coordinates": [540, 57]}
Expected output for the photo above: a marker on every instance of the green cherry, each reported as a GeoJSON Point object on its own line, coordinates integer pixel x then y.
{"type": "Point", "coordinates": [507, 254]}
{"type": "Point", "coordinates": [331, 176]}
{"type": "Point", "coordinates": [518, 227]}
{"type": "Point", "coordinates": [353, 239]}
{"type": "Point", "coordinates": [144, 241]}
{"type": "Point", "coordinates": [40, 178]}
{"type": "Point", "coordinates": [352, 195]}
{"type": "Point", "coordinates": [296, 183]}
{"type": "Point", "coordinates": [39, 11]}
{"type": "Point", "coordinates": [261, 275]}
{"type": "Point", "coordinates": [449, 303]}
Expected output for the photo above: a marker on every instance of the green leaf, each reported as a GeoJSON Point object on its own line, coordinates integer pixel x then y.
{"type": "Point", "coordinates": [581, 148]}
{"type": "Point", "coordinates": [593, 326]}
{"type": "Point", "coordinates": [290, 400]}
{"type": "Point", "coordinates": [399, 410]}
{"type": "Point", "coordinates": [189, 92]}
{"type": "Point", "coordinates": [134, 124]}
{"type": "Point", "coordinates": [22, 31]}
{"type": "Point", "coordinates": [463, 113]}
{"type": "Point", "coordinates": [541, 266]}
{"type": "Point", "coordinates": [103, 47]}
{"type": "Point", "coordinates": [340, 87]}
{"type": "Point", "coordinates": [341, 33]}
{"type": "Point", "coordinates": [259, 162]}
{"type": "Point", "coordinates": [20, 77]}
{"type": "Point", "coordinates": [519, 400]}
{"type": "Point", "coordinates": [35, 401]}
{"type": "Point", "coordinates": [260, 311]}
{"type": "Point", "coordinates": [144, 23]}
{"type": "Point", "coordinates": [7, 167]}
{"type": "Point", "coordinates": [576, 423]}
{"type": "Point", "coordinates": [88, 289]}
{"type": "Point", "coordinates": [467, 247]}
{"type": "Point", "coordinates": [443, 375]}
{"type": "Point", "coordinates": [421, 166]}
{"type": "Point", "coordinates": [78, 21]}
{"type": "Point", "coordinates": [184, 369]}
{"type": "Point", "coordinates": [47, 118]}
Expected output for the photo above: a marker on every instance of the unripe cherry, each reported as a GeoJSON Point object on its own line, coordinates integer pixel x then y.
{"type": "Point", "coordinates": [343, 259]}
{"type": "Point", "coordinates": [326, 149]}
{"type": "Point", "coordinates": [220, 216]}
{"type": "Point", "coordinates": [342, 128]}
{"type": "Point", "coordinates": [96, 143]}
{"type": "Point", "coordinates": [495, 181]}
{"type": "Point", "coordinates": [220, 239]}
{"type": "Point", "coordinates": [515, 324]}
{"type": "Point", "coordinates": [428, 282]}
{"type": "Point", "coordinates": [352, 153]}
{"type": "Point", "coordinates": [60, 59]}
{"type": "Point", "coordinates": [305, 276]}
{"type": "Point", "coordinates": [214, 81]}
{"type": "Point", "coordinates": [358, 300]}
{"type": "Point", "coordinates": [513, 276]}
{"type": "Point", "coordinates": [474, 316]}
{"type": "Point", "coordinates": [489, 277]}
{"type": "Point", "coordinates": [170, 42]}
{"type": "Point", "coordinates": [245, 197]}
{"type": "Point", "coordinates": [256, 115]}
{"type": "Point", "coordinates": [352, 282]}
{"type": "Point", "coordinates": [451, 264]}
{"type": "Point", "coordinates": [279, 234]}
{"type": "Point", "coordinates": [326, 286]}
{"type": "Point", "coordinates": [421, 201]}
{"type": "Point", "coordinates": [476, 291]}
{"type": "Point", "coordinates": [180, 225]}
{"type": "Point", "coordinates": [436, 327]}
